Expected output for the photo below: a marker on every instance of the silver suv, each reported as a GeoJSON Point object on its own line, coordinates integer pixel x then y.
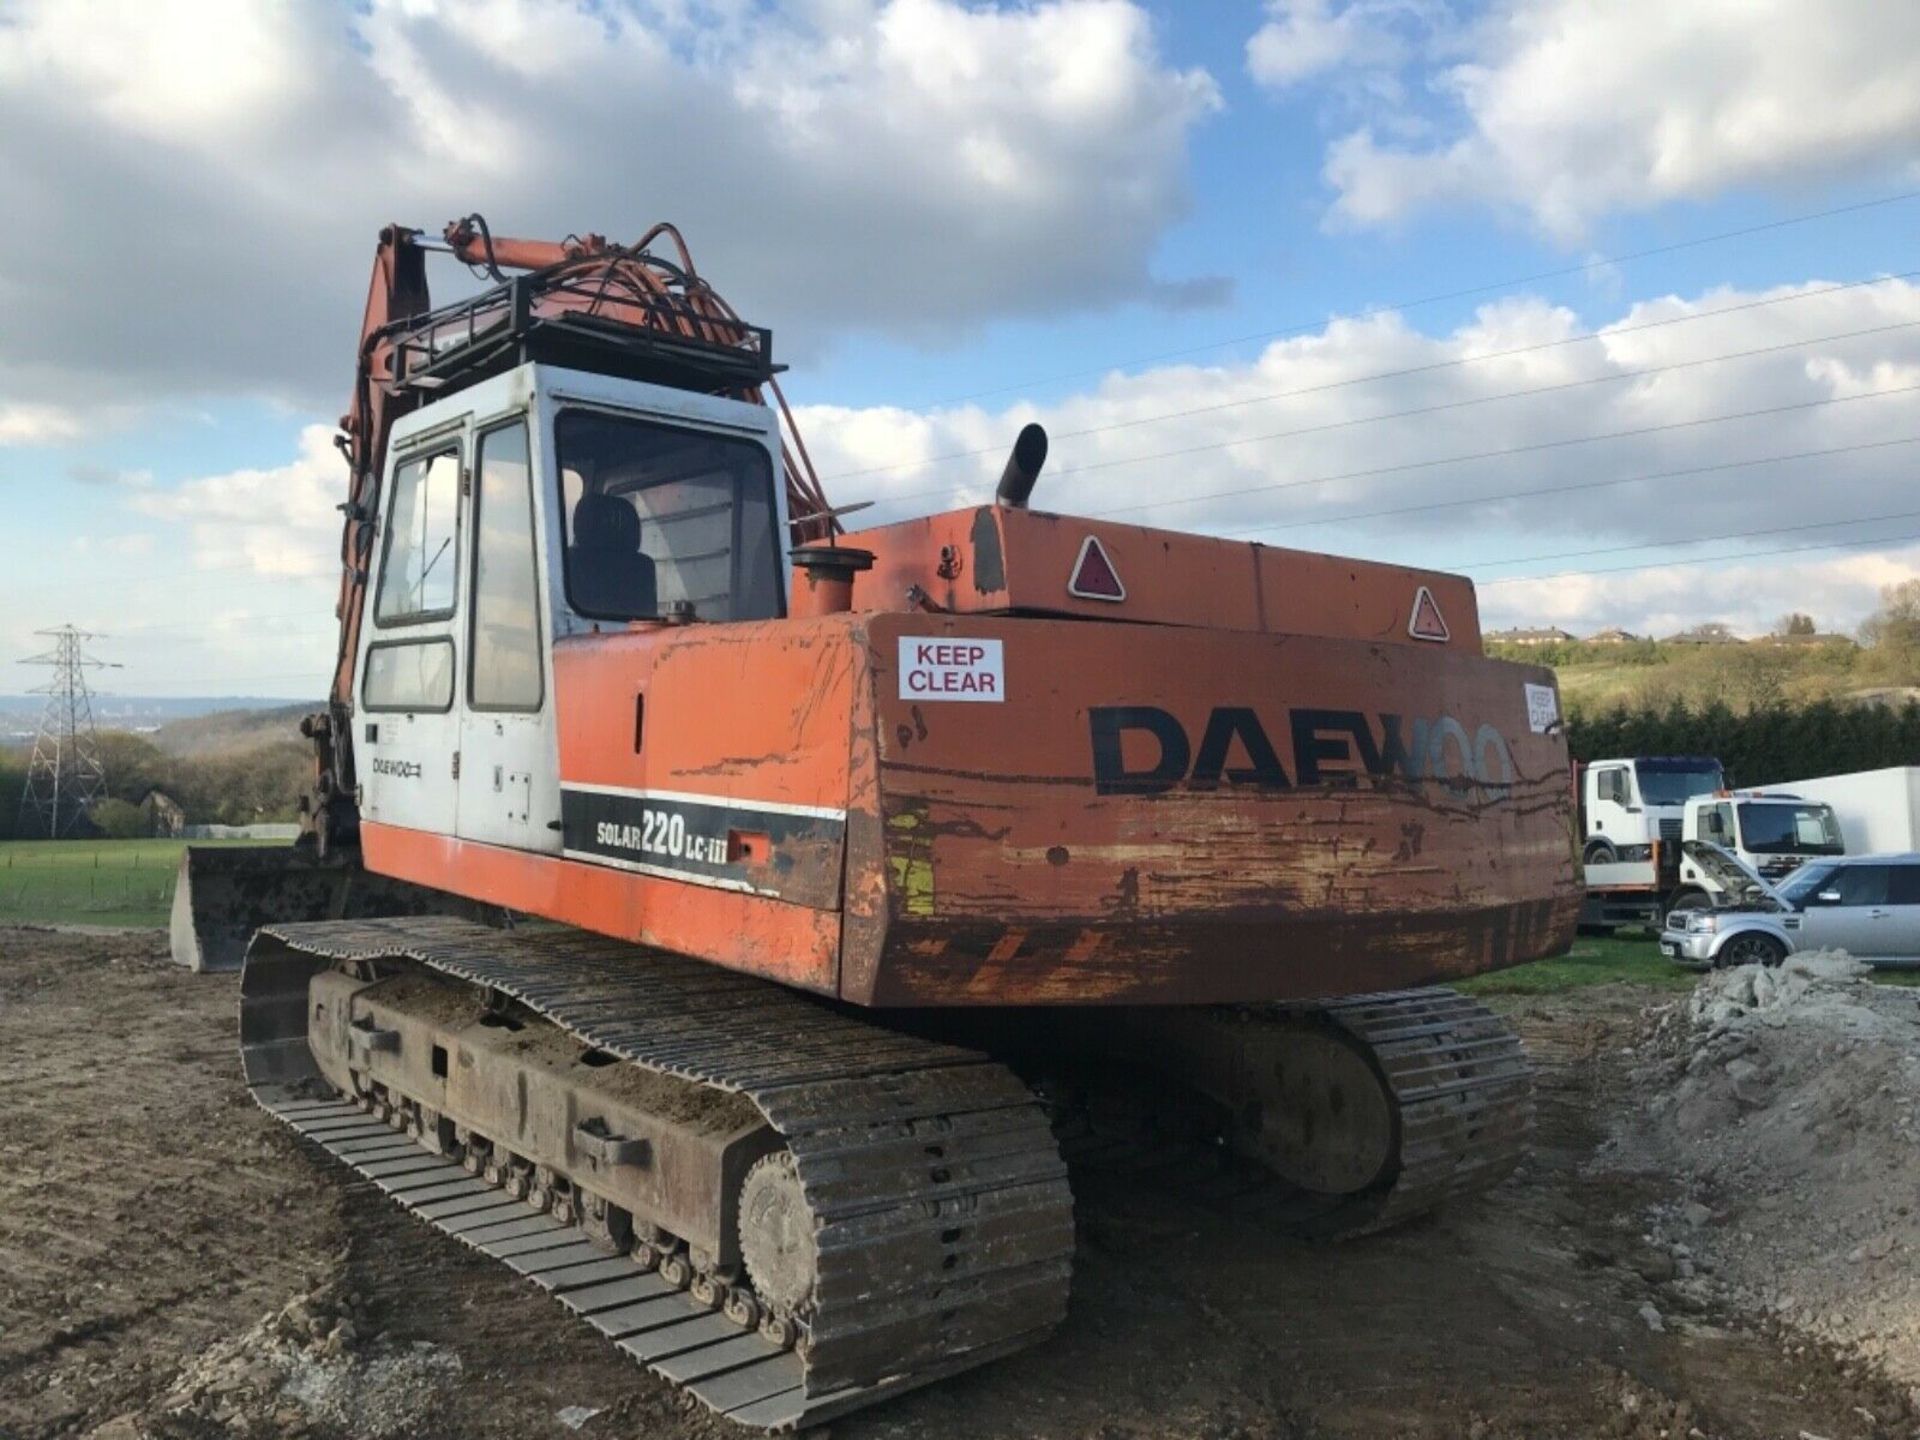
{"type": "Point", "coordinates": [1867, 905]}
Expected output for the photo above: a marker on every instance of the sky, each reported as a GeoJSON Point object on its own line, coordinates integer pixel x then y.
{"type": "Point", "coordinates": [1613, 305]}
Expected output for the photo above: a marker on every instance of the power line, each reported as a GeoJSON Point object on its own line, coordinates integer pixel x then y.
{"type": "Point", "coordinates": [1545, 490]}
{"type": "Point", "coordinates": [1533, 448]}
{"type": "Point", "coordinates": [1884, 542]}
{"type": "Point", "coordinates": [1302, 327]}
{"type": "Point", "coordinates": [1693, 540]}
{"type": "Point", "coordinates": [1465, 403]}
{"type": "Point", "coordinates": [1377, 376]}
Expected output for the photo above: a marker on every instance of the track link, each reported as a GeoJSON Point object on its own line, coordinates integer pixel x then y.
{"type": "Point", "coordinates": [945, 1225]}
{"type": "Point", "coordinates": [1456, 1079]}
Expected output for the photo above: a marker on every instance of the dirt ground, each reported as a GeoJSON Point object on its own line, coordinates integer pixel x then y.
{"type": "Point", "coordinates": [161, 1242]}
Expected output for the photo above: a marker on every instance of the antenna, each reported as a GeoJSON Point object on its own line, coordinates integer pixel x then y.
{"type": "Point", "coordinates": [65, 776]}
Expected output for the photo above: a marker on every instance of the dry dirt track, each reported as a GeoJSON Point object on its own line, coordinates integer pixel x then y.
{"type": "Point", "coordinates": [149, 1214]}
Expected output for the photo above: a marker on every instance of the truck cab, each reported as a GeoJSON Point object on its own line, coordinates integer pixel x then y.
{"type": "Point", "coordinates": [1627, 806]}
{"type": "Point", "coordinates": [1772, 833]}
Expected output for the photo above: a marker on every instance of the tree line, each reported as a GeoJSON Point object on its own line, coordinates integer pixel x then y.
{"type": "Point", "coordinates": [261, 784]}
{"type": "Point", "coordinates": [1767, 746]}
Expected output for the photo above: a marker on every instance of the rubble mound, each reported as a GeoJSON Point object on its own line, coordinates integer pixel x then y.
{"type": "Point", "coordinates": [313, 1367]}
{"type": "Point", "coordinates": [1784, 1100]}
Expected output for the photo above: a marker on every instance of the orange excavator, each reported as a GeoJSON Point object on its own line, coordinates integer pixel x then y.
{"type": "Point", "coordinates": [735, 925]}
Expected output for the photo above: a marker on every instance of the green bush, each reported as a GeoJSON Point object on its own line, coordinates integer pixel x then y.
{"type": "Point", "coordinates": [117, 819]}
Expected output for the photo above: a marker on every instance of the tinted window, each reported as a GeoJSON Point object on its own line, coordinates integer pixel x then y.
{"type": "Point", "coordinates": [416, 571]}
{"type": "Point", "coordinates": [658, 516]}
{"type": "Point", "coordinates": [1903, 885]}
{"type": "Point", "coordinates": [508, 673]}
{"type": "Point", "coordinates": [1860, 884]}
{"type": "Point", "coordinates": [1660, 786]}
{"type": "Point", "coordinates": [1790, 830]}
{"type": "Point", "coordinates": [417, 675]}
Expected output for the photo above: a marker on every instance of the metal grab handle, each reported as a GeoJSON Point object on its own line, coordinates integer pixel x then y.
{"type": "Point", "coordinates": [592, 1139]}
{"type": "Point", "coordinates": [365, 1035]}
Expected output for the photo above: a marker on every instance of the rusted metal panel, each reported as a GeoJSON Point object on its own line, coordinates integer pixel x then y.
{"type": "Point", "coordinates": [997, 559]}
{"type": "Point", "coordinates": [1152, 813]}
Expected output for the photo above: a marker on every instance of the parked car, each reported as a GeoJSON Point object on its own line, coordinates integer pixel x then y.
{"type": "Point", "coordinates": [1867, 905]}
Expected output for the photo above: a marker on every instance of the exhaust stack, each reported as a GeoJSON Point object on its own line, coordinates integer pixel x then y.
{"type": "Point", "coordinates": [1023, 468]}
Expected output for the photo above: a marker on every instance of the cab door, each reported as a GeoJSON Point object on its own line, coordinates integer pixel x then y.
{"type": "Point", "coordinates": [408, 745]}
{"type": "Point", "coordinates": [509, 770]}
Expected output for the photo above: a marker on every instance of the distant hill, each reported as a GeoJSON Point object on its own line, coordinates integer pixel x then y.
{"type": "Point", "coordinates": [142, 714]}
{"type": "Point", "coordinates": [1752, 676]}
{"type": "Point", "coordinates": [232, 732]}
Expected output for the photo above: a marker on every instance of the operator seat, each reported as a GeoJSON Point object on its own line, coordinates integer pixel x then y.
{"type": "Point", "coordinates": [607, 573]}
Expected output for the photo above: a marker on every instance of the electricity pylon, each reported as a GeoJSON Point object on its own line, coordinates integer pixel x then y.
{"type": "Point", "coordinates": [65, 776]}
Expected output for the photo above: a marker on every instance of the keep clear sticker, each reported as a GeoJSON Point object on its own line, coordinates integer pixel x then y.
{"type": "Point", "coordinates": [951, 668]}
{"type": "Point", "coordinates": [1543, 708]}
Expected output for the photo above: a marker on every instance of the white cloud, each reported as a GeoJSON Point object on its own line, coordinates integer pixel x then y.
{"type": "Point", "coordinates": [1837, 589]}
{"type": "Point", "coordinates": [206, 180]}
{"type": "Point", "coordinates": [1571, 109]}
{"type": "Point", "coordinates": [280, 522]}
{"type": "Point", "coordinates": [1303, 39]}
{"type": "Point", "coordinates": [37, 424]}
{"type": "Point", "coordinates": [1300, 448]}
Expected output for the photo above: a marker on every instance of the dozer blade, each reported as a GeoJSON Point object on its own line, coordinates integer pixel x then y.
{"type": "Point", "coordinates": [226, 892]}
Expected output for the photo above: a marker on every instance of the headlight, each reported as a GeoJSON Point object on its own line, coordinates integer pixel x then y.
{"type": "Point", "coordinates": [1702, 922]}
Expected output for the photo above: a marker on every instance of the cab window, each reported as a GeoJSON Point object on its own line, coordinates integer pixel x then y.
{"type": "Point", "coordinates": [1613, 786]}
{"type": "Point", "coordinates": [507, 662]}
{"type": "Point", "coordinates": [1860, 884]}
{"type": "Point", "coordinates": [663, 520]}
{"type": "Point", "coordinates": [1903, 885]}
{"type": "Point", "coordinates": [417, 562]}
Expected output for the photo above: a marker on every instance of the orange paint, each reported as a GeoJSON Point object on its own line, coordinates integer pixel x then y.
{"type": "Point", "coordinates": [795, 944]}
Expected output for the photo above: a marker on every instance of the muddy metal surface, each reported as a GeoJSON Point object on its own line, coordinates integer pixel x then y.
{"type": "Point", "coordinates": [174, 1263]}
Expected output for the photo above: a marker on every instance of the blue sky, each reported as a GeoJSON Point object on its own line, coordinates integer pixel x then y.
{"type": "Point", "coordinates": [962, 217]}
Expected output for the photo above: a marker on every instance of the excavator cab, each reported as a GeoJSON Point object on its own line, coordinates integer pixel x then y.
{"type": "Point", "coordinates": [541, 505]}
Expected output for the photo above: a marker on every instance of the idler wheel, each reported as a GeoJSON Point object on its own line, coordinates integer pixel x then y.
{"type": "Point", "coordinates": [777, 1235]}
{"type": "Point", "coordinates": [1325, 1121]}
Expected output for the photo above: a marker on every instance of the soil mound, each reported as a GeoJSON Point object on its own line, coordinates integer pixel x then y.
{"type": "Point", "coordinates": [1784, 1101]}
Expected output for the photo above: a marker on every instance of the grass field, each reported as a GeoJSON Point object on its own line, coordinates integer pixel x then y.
{"type": "Point", "coordinates": [1616, 959]}
{"type": "Point", "coordinates": [88, 882]}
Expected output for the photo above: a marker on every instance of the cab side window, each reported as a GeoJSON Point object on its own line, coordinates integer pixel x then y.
{"type": "Point", "coordinates": [508, 670]}
{"type": "Point", "coordinates": [1613, 786]}
{"type": "Point", "coordinates": [1903, 885]}
{"type": "Point", "coordinates": [1861, 884]}
{"type": "Point", "coordinates": [417, 564]}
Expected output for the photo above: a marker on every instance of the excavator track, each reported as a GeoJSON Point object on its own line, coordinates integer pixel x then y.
{"type": "Point", "coordinates": [1453, 1085]}
{"type": "Point", "coordinates": [942, 1218]}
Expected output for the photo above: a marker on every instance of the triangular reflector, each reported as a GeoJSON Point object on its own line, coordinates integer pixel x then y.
{"type": "Point", "coordinates": [1425, 622]}
{"type": "Point", "coordinates": [1094, 577]}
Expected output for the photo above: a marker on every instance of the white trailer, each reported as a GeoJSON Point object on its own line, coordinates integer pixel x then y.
{"type": "Point", "coordinates": [1878, 810]}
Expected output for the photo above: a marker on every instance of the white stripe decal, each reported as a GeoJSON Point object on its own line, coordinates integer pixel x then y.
{"type": "Point", "coordinates": [687, 797]}
{"type": "Point", "coordinates": [661, 872]}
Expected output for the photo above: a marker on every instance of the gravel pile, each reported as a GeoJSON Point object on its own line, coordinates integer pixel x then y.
{"type": "Point", "coordinates": [1785, 1101]}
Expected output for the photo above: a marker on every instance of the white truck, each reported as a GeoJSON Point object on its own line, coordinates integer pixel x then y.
{"type": "Point", "coordinates": [1878, 810]}
{"type": "Point", "coordinates": [1773, 832]}
{"type": "Point", "coordinates": [1630, 806]}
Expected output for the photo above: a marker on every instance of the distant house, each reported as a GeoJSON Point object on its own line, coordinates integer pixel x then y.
{"type": "Point", "coordinates": [1817, 637]}
{"type": "Point", "coordinates": [1711, 633]}
{"type": "Point", "coordinates": [1549, 636]}
{"type": "Point", "coordinates": [166, 820]}
{"type": "Point", "coordinates": [1613, 635]}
